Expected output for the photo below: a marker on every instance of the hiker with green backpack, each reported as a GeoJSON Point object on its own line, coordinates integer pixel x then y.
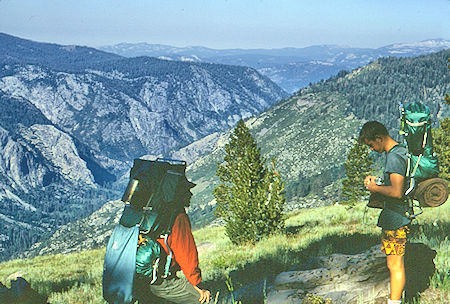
{"type": "Point", "coordinates": [410, 173]}
{"type": "Point", "coordinates": [393, 219]}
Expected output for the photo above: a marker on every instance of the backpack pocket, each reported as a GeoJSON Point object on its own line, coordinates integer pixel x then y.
{"type": "Point", "coordinates": [150, 259]}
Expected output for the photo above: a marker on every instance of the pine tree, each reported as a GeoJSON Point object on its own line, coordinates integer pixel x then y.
{"type": "Point", "coordinates": [447, 97]}
{"type": "Point", "coordinates": [251, 197]}
{"type": "Point", "coordinates": [357, 167]}
{"type": "Point", "coordinates": [441, 140]}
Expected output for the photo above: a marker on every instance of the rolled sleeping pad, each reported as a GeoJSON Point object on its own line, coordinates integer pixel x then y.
{"type": "Point", "coordinates": [432, 192]}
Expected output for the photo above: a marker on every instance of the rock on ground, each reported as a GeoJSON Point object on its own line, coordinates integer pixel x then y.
{"type": "Point", "coordinates": [352, 279]}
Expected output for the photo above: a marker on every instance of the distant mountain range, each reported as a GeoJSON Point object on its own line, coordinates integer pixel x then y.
{"type": "Point", "coordinates": [73, 119]}
{"type": "Point", "coordinates": [291, 68]}
{"type": "Point", "coordinates": [14, 50]}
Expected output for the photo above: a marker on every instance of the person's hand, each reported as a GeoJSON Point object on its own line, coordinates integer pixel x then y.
{"type": "Point", "coordinates": [370, 182]}
{"type": "Point", "coordinates": [205, 295]}
{"type": "Point", "coordinates": [371, 186]}
{"type": "Point", "coordinates": [370, 179]}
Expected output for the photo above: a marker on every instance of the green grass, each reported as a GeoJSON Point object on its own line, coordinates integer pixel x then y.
{"type": "Point", "coordinates": [76, 278]}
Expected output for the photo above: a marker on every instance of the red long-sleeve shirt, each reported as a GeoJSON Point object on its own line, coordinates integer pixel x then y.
{"type": "Point", "coordinates": [181, 242]}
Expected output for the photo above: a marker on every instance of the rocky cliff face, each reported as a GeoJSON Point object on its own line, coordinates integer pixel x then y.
{"type": "Point", "coordinates": [72, 120]}
{"type": "Point", "coordinates": [43, 183]}
{"type": "Point", "coordinates": [121, 116]}
{"type": "Point", "coordinates": [59, 150]}
{"type": "Point", "coordinates": [19, 165]}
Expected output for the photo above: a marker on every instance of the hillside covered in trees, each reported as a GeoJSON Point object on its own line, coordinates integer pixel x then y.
{"type": "Point", "coordinates": [375, 91]}
{"type": "Point", "coordinates": [311, 133]}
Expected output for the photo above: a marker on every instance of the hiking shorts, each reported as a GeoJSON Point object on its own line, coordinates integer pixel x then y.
{"type": "Point", "coordinates": [393, 242]}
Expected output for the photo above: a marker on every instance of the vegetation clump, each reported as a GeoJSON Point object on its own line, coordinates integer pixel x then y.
{"type": "Point", "coordinates": [441, 138]}
{"type": "Point", "coordinates": [357, 166]}
{"type": "Point", "coordinates": [315, 299]}
{"type": "Point", "coordinates": [250, 197]}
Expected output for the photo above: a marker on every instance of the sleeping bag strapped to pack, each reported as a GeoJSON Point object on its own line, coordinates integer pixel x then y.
{"type": "Point", "coordinates": [119, 266]}
{"type": "Point", "coordinates": [416, 129]}
{"type": "Point", "coordinates": [155, 195]}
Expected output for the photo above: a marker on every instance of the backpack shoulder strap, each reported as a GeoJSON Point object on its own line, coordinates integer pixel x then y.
{"type": "Point", "coordinates": [169, 257]}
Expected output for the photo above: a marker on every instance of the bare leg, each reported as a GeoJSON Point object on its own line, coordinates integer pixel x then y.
{"type": "Point", "coordinates": [396, 267]}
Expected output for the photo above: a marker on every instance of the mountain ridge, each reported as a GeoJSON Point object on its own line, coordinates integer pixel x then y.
{"type": "Point", "coordinates": [291, 68]}
{"type": "Point", "coordinates": [144, 47]}
{"type": "Point", "coordinates": [17, 50]}
{"type": "Point", "coordinates": [310, 133]}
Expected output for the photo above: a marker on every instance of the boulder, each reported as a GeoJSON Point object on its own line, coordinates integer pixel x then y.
{"type": "Point", "coordinates": [352, 279]}
{"type": "Point", "coordinates": [20, 293]}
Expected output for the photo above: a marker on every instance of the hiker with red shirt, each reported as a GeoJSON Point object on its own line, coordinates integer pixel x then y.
{"type": "Point", "coordinates": [184, 290]}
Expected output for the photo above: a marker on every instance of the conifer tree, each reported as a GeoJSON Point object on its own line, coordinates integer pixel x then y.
{"type": "Point", "coordinates": [447, 96]}
{"type": "Point", "coordinates": [357, 167]}
{"type": "Point", "coordinates": [441, 140]}
{"type": "Point", "coordinates": [250, 197]}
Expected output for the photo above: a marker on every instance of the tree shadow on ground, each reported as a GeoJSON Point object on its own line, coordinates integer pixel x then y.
{"type": "Point", "coordinates": [293, 230]}
{"type": "Point", "coordinates": [419, 263]}
{"type": "Point", "coordinates": [21, 293]}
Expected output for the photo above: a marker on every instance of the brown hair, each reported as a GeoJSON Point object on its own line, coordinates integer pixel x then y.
{"type": "Point", "coordinates": [371, 130]}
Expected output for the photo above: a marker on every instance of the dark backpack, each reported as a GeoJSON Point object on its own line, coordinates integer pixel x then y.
{"type": "Point", "coordinates": [153, 202]}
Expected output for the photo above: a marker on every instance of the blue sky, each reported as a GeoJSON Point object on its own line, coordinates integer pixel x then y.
{"type": "Point", "coordinates": [227, 23]}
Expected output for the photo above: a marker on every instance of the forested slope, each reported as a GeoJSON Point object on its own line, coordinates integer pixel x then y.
{"type": "Point", "coordinates": [310, 133]}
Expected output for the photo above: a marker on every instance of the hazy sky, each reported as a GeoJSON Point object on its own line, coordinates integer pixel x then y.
{"type": "Point", "coordinates": [227, 23]}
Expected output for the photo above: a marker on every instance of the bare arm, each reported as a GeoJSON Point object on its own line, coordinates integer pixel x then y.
{"type": "Point", "coordinates": [395, 190]}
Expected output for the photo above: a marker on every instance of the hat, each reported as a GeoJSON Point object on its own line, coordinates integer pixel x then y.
{"type": "Point", "coordinates": [188, 183]}
{"type": "Point", "coordinates": [182, 179]}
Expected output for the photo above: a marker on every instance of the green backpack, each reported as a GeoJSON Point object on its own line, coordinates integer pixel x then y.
{"type": "Point", "coordinates": [416, 130]}
{"type": "Point", "coordinates": [422, 164]}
